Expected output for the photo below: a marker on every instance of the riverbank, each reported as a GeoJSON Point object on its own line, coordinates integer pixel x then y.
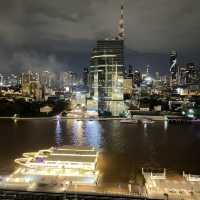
{"type": "Point", "coordinates": [61, 118]}
{"type": "Point", "coordinates": [137, 117]}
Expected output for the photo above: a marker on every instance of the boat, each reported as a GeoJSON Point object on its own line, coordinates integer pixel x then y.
{"type": "Point", "coordinates": [75, 164]}
{"type": "Point", "coordinates": [129, 121]}
{"type": "Point", "coordinates": [147, 121]}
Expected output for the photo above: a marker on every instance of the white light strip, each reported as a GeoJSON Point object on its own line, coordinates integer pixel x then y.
{"type": "Point", "coordinates": [69, 174]}
{"type": "Point", "coordinates": [108, 65]}
{"type": "Point", "coordinates": [65, 154]}
{"type": "Point", "coordinates": [61, 163]}
{"type": "Point", "coordinates": [104, 55]}
{"type": "Point", "coordinates": [76, 149]}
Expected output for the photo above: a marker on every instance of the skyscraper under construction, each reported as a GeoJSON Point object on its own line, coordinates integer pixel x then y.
{"type": "Point", "coordinates": [106, 73]}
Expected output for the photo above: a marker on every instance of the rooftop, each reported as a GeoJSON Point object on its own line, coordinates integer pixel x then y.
{"type": "Point", "coordinates": [75, 148]}
{"type": "Point", "coordinates": [74, 152]}
{"type": "Point", "coordinates": [62, 155]}
{"type": "Point", "coordinates": [71, 158]}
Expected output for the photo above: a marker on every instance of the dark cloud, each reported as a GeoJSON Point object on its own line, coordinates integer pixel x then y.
{"type": "Point", "coordinates": [60, 34]}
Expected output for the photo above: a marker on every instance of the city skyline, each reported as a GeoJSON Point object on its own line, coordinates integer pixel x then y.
{"type": "Point", "coordinates": [41, 36]}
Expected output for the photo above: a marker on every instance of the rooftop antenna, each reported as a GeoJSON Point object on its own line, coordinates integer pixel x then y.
{"type": "Point", "coordinates": [147, 69]}
{"type": "Point", "coordinates": [121, 29]}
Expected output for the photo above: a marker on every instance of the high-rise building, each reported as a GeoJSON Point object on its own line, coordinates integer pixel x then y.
{"type": "Point", "coordinates": [137, 78]}
{"type": "Point", "coordinates": [11, 80]}
{"type": "Point", "coordinates": [1, 80]}
{"type": "Point", "coordinates": [157, 76]}
{"type": "Point", "coordinates": [48, 83]}
{"type": "Point", "coordinates": [192, 74]}
{"type": "Point", "coordinates": [67, 80]}
{"type": "Point", "coordinates": [128, 86]}
{"type": "Point", "coordinates": [106, 73]}
{"type": "Point", "coordinates": [85, 76]}
{"type": "Point", "coordinates": [48, 79]}
{"type": "Point", "coordinates": [30, 76]}
{"type": "Point", "coordinates": [45, 79]}
{"type": "Point", "coordinates": [130, 70]}
{"type": "Point", "coordinates": [189, 74]}
{"type": "Point", "coordinates": [173, 67]}
{"type": "Point", "coordinates": [31, 86]}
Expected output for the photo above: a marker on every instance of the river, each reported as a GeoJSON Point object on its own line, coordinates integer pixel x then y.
{"type": "Point", "coordinates": [126, 148]}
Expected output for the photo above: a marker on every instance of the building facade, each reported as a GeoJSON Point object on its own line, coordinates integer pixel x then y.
{"type": "Point", "coordinates": [1, 80]}
{"type": "Point", "coordinates": [85, 76]}
{"type": "Point", "coordinates": [128, 86]}
{"type": "Point", "coordinates": [31, 86]}
{"type": "Point", "coordinates": [67, 80]}
{"type": "Point", "coordinates": [173, 68]}
{"type": "Point", "coordinates": [106, 76]}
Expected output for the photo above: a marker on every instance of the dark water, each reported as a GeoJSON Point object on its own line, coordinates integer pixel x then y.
{"type": "Point", "coordinates": [125, 147]}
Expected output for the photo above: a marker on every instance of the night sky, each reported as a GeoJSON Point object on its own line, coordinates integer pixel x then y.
{"type": "Point", "coordinates": [59, 34]}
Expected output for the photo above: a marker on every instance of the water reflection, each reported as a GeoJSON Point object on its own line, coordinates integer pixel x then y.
{"type": "Point", "coordinates": [145, 130]}
{"type": "Point", "coordinates": [78, 132]}
{"type": "Point", "coordinates": [86, 133]}
{"type": "Point", "coordinates": [117, 138]}
{"type": "Point", "coordinates": [58, 134]}
{"type": "Point", "coordinates": [165, 125]}
{"type": "Point", "coordinates": [93, 133]}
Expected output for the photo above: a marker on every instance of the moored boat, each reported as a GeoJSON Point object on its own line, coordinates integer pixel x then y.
{"type": "Point", "coordinates": [129, 121]}
{"type": "Point", "coordinates": [147, 121]}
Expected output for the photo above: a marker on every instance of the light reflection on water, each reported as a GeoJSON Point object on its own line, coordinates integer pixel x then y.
{"type": "Point", "coordinates": [78, 133]}
{"type": "Point", "coordinates": [165, 125]}
{"type": "Point", "coordinates": [93, 132]}
{"type": "Point", "coordinates": [58, 133]}
{"type": "Point", "coordinates": [145, 130]}
{"type": "Point", "coordinates": [86, 133]}
{"type": "Point", "coordinates": [117, 139]}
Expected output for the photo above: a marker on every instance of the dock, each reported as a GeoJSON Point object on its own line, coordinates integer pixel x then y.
{"type": "Point", "coordinates": [159, 185]}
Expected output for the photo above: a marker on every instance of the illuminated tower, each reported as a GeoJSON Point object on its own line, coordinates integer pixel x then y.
{"type": "Point", "coordinates": [173, 67]}
{"type": "Point", "coordinates": [147, 70]}
{"type": "Point", "coordinates": [121, 29]}
{"type": "Point", "coordinates": [106, 73]}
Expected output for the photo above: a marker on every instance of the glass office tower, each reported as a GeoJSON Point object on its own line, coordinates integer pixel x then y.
{"type": "Point", "coordinates": [106, 76]}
